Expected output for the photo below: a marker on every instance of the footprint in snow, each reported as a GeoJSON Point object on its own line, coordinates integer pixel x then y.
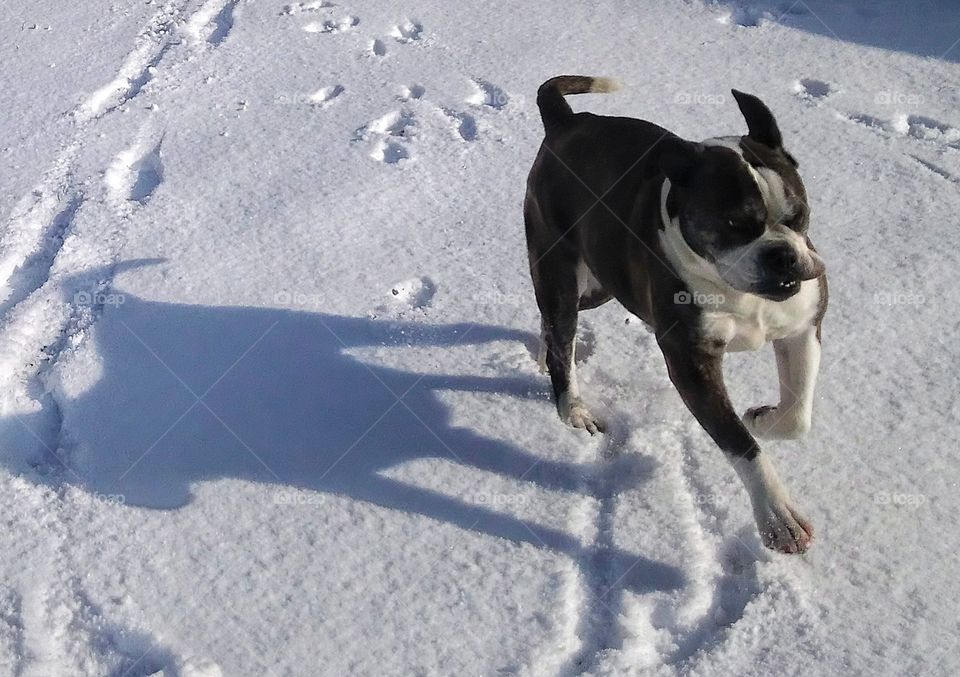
{"type": "Point", "coordinates": [417, 292]}
{"type": "Point", "coordinates": [298, 7]}
{"type": "Point", "coordinates": [395, 123]}
{"type": "Point", "coordinates": [812, 90]}
{"type": "Point", "coordinates": [919, 127]}
{"type": "Point", "coordinates": [331, 26]}
{"type": "Point", "coordinates": [390, 134]}
{"type": "Point", "coordinates": [487, 94]}
{"type": "Point", "coordinates": [378, 48]}
{"type": "Point", "coordinates": [928, 129]}
{"type": "Point", "coordinates": [749, 14]}
{"type": "Point", "coordinates": [411, 92]}
{"type": "Point", "coordinates": [135, 173]}
{"type": "Point", "coordinates": [324, 97]}
{"type": "Point", "coordinates": [869, 121]}
{"type": "Point", "coordinates": [389, 151]}
{"type": "Point", "coordinates": [465, 124]}
{"type": "Point", "coordinates": [407, 32]}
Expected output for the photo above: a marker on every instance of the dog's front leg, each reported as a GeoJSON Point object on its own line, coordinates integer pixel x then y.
{"type": "Point", "coordinates": [698, 375]}
{"type": "Point", "coordinates": [798, 361]}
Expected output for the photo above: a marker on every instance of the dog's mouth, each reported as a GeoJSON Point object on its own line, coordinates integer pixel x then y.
{"type": "Point", "coordinates": [779, 290]}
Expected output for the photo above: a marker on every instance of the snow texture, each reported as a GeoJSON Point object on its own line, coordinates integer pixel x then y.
{"type": "Point", "coordinates": [270, 403]}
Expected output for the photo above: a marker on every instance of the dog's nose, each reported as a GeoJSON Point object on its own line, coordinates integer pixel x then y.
{"type": "Point", "coordinates": [780, 259]}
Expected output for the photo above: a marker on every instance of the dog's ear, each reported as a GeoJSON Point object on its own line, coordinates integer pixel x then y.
{"type": "Point", "coordinates": [761, 124]}
{"type": "Point", "coordinates": [678, 159]}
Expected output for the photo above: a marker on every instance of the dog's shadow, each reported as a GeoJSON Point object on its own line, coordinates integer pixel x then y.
{"type": "Point", "coordinates": [189, 393]}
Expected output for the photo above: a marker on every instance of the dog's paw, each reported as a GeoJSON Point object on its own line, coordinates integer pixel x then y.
{"type": "Point", "coordinates": [575, 413]}
{"type": "Point", "coordinates": [770, 422]}
{"type": "Point", "coordinates": [781, 525]}
{"type": "Point", "coordinates": [783, 528]}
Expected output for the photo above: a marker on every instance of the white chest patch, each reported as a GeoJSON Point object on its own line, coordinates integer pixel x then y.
{"type": "Point", "coordinates": [740, 320]}
{"type": "Point", "coordinates": [746, 321]}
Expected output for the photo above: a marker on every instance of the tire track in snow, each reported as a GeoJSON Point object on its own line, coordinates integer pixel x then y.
{"type": "Point", "coordinates": [34, 233]}
{"type": "Point", "coordinates": [34, 271]}
{"type": "Point", "coordinates": [936, 169]}
{"type": "Point", "coordinates": [598, 622]}
{"type": "Point", "coordinates": [55, 627]}
{"type": "Point", "coordinates": [48, 303]}
{"type": "Point", "coordinates": [718, 585]}
{"type": "Point", "coordinates": [136, 71]}
{"type": "Point", "coordinates": [32, 320]}
{"type": "Point", "coordinates": [607, 571]}
{"type": "Point", "coordinates": [721, 589]}
{"type": "Point", "coordinates": [209, 25]}
{"type": "Point", "coordinates": [36, 229]}
{"type": "Point", "coordinates": [43, 220]}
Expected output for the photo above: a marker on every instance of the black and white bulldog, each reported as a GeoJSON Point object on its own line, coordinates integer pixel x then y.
{"type": "Point", "coordinates": [707, 243]}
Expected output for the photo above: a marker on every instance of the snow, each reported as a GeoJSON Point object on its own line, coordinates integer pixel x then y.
{"type": "Point", "coordinates": [269, 398]}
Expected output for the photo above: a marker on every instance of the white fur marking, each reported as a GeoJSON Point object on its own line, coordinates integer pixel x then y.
{"type": "Point", "coordinates": [731, 142]}
{"type": "Point", "coordinates": [604, 85]}
{"type": "Point", "coordinates": [781, 525]}
{"type": "Point", "coordinates": [798, 362]}
{"type": "Point", "coordinates": [773, 191]}
{"type": "Point", "coordinates": [587, 283]}
{"type": "Point", "coordinates": [573, 388]}
{"type": "Point", "coordinates": [761, 480]}
{"type": "Point", "coordinates": [574, 412]}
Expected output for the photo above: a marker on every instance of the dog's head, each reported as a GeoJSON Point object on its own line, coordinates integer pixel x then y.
{"type": "Point", "coordinates": [742, 207]}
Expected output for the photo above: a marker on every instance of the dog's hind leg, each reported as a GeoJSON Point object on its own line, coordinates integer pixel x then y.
{"type": "Point", "coordinates": [592, 295]}
{"type": "Point", "coordinates": [554, 272]}
{"type": "Point", "coordinates": [589, 297]}
{"type": "Point", "coordinates": [542, 351]}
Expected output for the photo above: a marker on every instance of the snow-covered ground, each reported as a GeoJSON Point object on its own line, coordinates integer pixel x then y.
{"type": "Point", "coordinates": [268, 405]}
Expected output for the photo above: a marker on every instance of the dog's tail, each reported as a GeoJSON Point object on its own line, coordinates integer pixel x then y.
{"type": "Point", "coordinates": [554, 109]}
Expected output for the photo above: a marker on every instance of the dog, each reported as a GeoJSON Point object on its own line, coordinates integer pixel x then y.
{"type": "Point", "coordinates": [707, 243]}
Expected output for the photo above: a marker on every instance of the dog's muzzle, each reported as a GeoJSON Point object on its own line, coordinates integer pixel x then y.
{"type": "Point", "coordinates": [785, 268]}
